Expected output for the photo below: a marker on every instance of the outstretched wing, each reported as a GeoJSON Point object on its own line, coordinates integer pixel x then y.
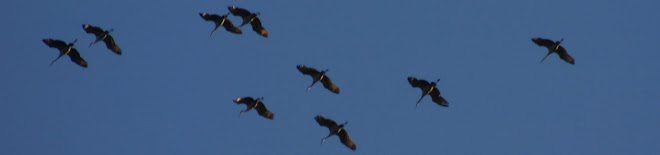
{"type": "Point", "coordinates": [110, 43]}
{"type": "Point", "coordinates": [307, 70]}
{"type": "Point", "coordinates": [256, 26]}
{"type": "Point", "coordinates": [543, 42]}
{"type": "Point", "coordinates": [210, 17]}
{"type": "Point", "coordinates": [414, 82]}
{"type": "Point", "coordinates": [93, 29]}
{"type": "Point", "coordinates": [243, 100]}
{"type": "Point", "coordinates": [75, 57]}
{"type": "Point", "coordinates": [261, 109]}
{"type": "Point", "coordinates": [435, 96]}
{"type": "Point", "coordinates": [345, 139]}
{"type": "Point", "coordinates": [564, 55]}
{"type": "Point", "coordinates": [55, 44]}
{"type": "Point", "coordinates": [236, 11]}
{"type": "Point", "coordinates": [327, 83]}
{"type": "Point", "coordinates": [231, 28]}
{"type": "Point", "coordinates": [325, 122]}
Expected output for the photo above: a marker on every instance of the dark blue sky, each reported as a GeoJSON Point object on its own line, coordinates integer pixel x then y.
{"type": "Point", "coordinates": [171, 91]}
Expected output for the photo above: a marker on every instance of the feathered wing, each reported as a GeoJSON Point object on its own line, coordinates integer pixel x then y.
{"type": "Point", "coordinates": [110, 44]}
{"type": "Point", "coordinates": [52, 43]}
{"type": "Point", "coordinates": [345, 139]}
{"type": "Point", "coordinates": [231, 28]}
{"type": "Point", "coordinates": [93, 29]}
{"type": "Point", "coordinates": [261, 109]}
{"type": "Point", "coordinates": [256, 26]}
{"type": "Point", "coordinates": [325, 122]}
{"type": "Point", "coordinates": [210, 17]}
{"type": "Point", "coordinates": [243, 100]}
{"type": "Point", "coordinates": [75, 57]}
{"type": "Point", "coordinates": [564, 55]}
{"type": "Point", "coordinates": [543, 42]}
{"type": "Point", "coordinates": [327, 83]}
{"type": "Point", "coordinates": [236, 11]}
{"type": "Point", "coordinates": [435, 96]}
{"type": "Point", "coordinates": [307, 70]}
{"type": "Point", "coordinates": [414, 82]}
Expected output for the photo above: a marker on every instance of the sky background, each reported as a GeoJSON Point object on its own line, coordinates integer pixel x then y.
{"type": "Point", "coordinates": [171, 91]}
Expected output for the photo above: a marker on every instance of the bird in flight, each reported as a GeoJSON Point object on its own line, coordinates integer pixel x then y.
{"type": "Point", "coordinates": [554, 47]}
{"type": "Point", "coordinates": [318, 76]}
{"type": "Point", "coordinates": [428, 89]}
{"type": "Point", "coordinates": [250, 18]}
{"type": "Point", "coordinates": [335, 130]}
{"type": "Point", "coordinates": [102, 35]}
{"type": "Point", "coordinates": [252, 103]}
{"type": "Point", "coordinates": [66, 49]}
{"type": "Point", "coordinates": [220, 21]}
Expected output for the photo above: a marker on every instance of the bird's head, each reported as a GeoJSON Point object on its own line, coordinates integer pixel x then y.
{"type": "Point", "coordinates": [74, 42]}
{"type": "Point", "coordinates": [232, 7]}
{"type": "Point", "coordinates": [300, 66]}
{"type": "Point", "coordinates": [559, 42]}
{"type": "Point", "coordinates": [410, 78]}
{"type": "Point", "coordinates": [203, 14]}
{"type": "Point", "coordinates": [342, 125]}
{"type": "Point", "coordinates": [85, 26]}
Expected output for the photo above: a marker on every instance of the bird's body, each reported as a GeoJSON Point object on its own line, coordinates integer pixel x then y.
{"type": "Point", "coordinates": [256, 27]}
{"type": "Point", "coordinates": [102, 35]}
{"type": "Point", "coordinates": [318, 76]}
{"type": "Point", "coordinates": [249, 18]}
{"type": "Point", "coordinates": [66, 49]}
{"type": "Point", "coordinates": [335, 129]}
{"type": "Point", "coordinates": [221, 21]}
{"type": "Point", "coordinates": [428, 89]}
{"type": "Point", "coordinates": [252, 103]}
{"type": "Point", "coordinates": [554, 47]}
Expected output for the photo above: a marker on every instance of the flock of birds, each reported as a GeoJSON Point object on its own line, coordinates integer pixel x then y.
{"type": "Point", "coordinates": [427, 88]}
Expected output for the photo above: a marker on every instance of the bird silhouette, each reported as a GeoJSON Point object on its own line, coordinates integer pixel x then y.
{"type": "Point", "coordinates": [66, 50]}
{"type": "Point", "coordinates": [335, 130]}
{"type": "Point", "coordinates": [252, 103]}
{"type": "Point", "coordinates": [428, 89]}
{"type": "Point", "coordinates": [318, 76]}
{"type": "Point", "coordinates": [220, 21]}
{"type": "Point", "coordinates": [102, 35]}
{"type": "Point", "coordinates": [554, 47]}
{"type": "Point", "coordinates": [250, 18]}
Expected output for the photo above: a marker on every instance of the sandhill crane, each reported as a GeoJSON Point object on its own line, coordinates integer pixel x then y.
{"type": "Point", "coordinates": [428, 89]}
{"type": "Point", "coordinates": [102, 35]}
{"type": "Point", "coordinates": [335, 130]}
{"type": "Point", "coordinates": [66, 50]}
{"type": "Point", "coordinates": [254, 104]}
{"type": "Point", "coordinates": [249, 17]}
{"type": "Point", "coordinates": [554, 47]}
{"type": "Point", "coordinates": [318, 76]}
{"type": "Point", "coordinates": [220, 20]}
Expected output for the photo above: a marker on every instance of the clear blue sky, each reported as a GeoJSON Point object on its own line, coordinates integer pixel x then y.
{"type": "Point", "coordinates": [171, 91]}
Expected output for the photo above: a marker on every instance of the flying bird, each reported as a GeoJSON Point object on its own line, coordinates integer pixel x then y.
{"type": "Point", "coordinates": [318, 76]}
{"type": "Point", "coordinates": [335, 130]}
{"type": "Point", "coordinates": [428, 89]}
{"type": "Point", "coordinates": [66, 50]}
{"type": "Point", "coordinates": [250, 18]}
{"type": "Point", "coordinates": [220, 20]}
{"type": "Point", "coordinates": [554, 47]}
{"type": "Point", "coordinates": [252, 103]}
{"type": "Point", "coordinates": [102, 35]}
